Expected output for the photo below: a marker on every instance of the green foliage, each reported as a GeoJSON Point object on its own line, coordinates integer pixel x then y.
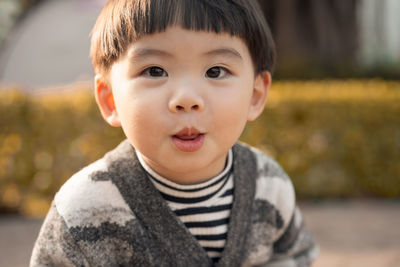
{"type": "Point", "coordinates": [43, 141]}
{"type": "Point", "coordinates": [335, 139]}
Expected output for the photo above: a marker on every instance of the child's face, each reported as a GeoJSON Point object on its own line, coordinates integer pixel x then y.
{"type": "Point", "coordinates": [183, 98]}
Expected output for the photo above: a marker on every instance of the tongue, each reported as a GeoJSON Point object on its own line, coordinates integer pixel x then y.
{"type": "Point", "coordinates": [187, 137]}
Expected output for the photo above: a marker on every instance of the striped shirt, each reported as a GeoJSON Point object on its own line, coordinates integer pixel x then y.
{"type": "Point", "coordinates": [203, 208]}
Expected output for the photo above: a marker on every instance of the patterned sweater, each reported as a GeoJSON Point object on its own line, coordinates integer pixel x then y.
{"type": "Point", "coordinates": [110, 214]}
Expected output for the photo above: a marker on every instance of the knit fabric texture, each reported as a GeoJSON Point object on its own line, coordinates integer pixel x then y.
{"type": "Point", "coordinates": [204, 208]}
{"type": "Point", "coordinates": [110, 214]}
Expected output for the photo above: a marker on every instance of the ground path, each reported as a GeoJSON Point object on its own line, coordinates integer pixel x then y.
{"type": "Point", "coordinates": [49, 48]}
{"type": "Point", "coordinates": [350, 234]}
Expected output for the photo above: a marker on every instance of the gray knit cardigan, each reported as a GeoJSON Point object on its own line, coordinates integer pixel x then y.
{"type": "Point", "coordinates": [110, 214]}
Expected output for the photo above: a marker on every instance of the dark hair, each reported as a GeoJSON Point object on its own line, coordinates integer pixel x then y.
{"type": "Point", "coordinates": [122, 22]}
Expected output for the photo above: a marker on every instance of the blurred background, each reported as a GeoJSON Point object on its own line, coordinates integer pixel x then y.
{"type": "Point", "coordinates": [332, 118]}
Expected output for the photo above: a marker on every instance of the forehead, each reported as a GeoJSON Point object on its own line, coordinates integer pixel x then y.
{"type": "Point", "coordinates": [176, 40]}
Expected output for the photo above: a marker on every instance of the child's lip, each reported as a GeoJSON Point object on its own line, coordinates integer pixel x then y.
{"type": "Point", "coordinates": [188, 139]}
{"type": "Point", "coordinates": [187, 133]}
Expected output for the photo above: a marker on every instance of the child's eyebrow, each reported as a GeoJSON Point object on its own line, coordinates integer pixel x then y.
{"type": "Point", "coordinates": [228, 52]}
{"type": "Point", "coordinates": [142, 53]}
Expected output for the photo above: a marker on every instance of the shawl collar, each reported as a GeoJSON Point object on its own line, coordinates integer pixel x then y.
{"type": "Point", "coordinates": [155, 215]}
{"type": "Point", "coordinates": [244, 174]}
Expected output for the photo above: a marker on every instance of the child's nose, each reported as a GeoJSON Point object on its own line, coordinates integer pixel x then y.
{"type": "Point", "coordinates": [186, 102]}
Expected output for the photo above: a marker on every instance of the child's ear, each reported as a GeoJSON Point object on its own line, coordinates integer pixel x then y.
{"type": "Point", "coordinates": [105, 101]}
{"type": "Point", "coordinates": [260, 91]}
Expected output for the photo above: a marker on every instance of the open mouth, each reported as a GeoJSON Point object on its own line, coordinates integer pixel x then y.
{"type": "Point", "coordinates": [188, 137]}
{"type": "Point", "coordinates": [188, 140]}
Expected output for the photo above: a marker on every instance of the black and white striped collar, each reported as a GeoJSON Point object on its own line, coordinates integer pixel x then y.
{"type": "Point", "coordinates": [208, 185]}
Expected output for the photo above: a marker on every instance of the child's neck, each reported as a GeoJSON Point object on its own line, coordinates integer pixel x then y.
{"type": "Point", "coordinates": [186, 178]}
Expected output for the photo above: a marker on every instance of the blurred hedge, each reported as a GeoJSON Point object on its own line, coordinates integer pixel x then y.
{"type": "Point", "coordinates": [43, 141]}
{"type": "Point", "coordinates": [334, 138]}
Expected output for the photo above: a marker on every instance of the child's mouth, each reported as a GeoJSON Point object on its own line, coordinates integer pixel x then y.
{"type": "Point", "coordinates": [188, 140]}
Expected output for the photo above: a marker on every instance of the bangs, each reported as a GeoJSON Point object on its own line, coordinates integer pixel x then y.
{"type": "Point", "coordinates": [124, 21]}
{"type": "Point", "coordinates": [216, 16]}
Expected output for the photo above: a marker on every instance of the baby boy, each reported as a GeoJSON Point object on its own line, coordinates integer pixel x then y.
{"type": "Point", "coordinates": [182, 78]}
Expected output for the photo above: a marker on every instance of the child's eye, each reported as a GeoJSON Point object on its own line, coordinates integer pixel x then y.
{"type": "Point", "coordinates": [155, 72]}
{"type": "Point", "coordinates": [217, 72]}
